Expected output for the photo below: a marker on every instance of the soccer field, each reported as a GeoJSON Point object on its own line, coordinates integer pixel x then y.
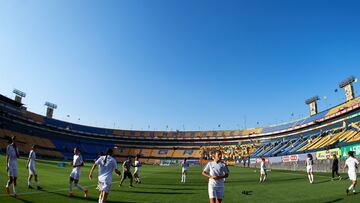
{"type": "Point", "coordinates": [162, 184]}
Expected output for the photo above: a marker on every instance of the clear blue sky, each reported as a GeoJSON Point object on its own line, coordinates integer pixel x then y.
{"type": "Point", "coordinates": [181, 62]}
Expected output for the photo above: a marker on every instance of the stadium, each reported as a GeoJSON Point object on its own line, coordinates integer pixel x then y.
{"type": "Point", "coordinates": [179, 63]}
{"type": "Point", "coordinates": [332, 131]}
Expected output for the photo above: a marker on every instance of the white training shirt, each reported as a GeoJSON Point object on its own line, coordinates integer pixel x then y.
{"type": "Point", "coordinates": [32, 157]}
{"type": "Point", "coordinates": [351, 164]}
{"type": "Point", "coordinates": [137, 165]}
{"type": "Point", "coordinates": [77, 160]}
{"type": "Point", "coordinates": [262, 165]}
{"type": "Point", "coordinates": [309, 162]}
{"type": "Point", "coordinates": [106, 169]}
{"type": "Point", "coordinates": [11, 152]}
{"type": "Point", "coordinates": [216, 169]}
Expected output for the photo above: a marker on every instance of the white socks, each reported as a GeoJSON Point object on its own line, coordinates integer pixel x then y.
{"type": "Point", "coordinates": [183, 178]}
{"type": "Point", "coordinates": [352, 187]}
{"type": "Point", "coordinates": [311, 178]}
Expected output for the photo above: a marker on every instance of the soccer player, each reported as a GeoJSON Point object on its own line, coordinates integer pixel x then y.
{"type": "Point", "coordinates": [107, 164]}
{"type": "Point", "coordinates": [126, 172]}
{"type": "Point", "coordinates": [335, 167]}
{"type": "Point", "coordinates": [352, 164]}
{"type": "Point", "coordinates": [137, 165]}
{"type": "Point", "coordinates": [30, 165]}
{"type": "Point", "coordinates": [263, 173]}
{"type": "Point", "coordinates": [309, 167]}
{"type": "Point", "coordinates": [77, 163]}
{"type": "Point", "coordinates": [216, 171]}
{"type": "Point", "coordinates": [184, 170]}
{"type": "Point", "coordinates": [12, 154]}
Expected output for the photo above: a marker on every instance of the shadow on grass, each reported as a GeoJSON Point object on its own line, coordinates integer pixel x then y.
{"type": "Point", "coordinates": [320, 182]}
{"type": "Point", "coordinates": [160, 193]}
{"type": "Point", "coordinates": [23, 200]}
{"type": "Point", "coordinates": [90, 199]}
{"type": "Point", "coordinates": [335, 200]}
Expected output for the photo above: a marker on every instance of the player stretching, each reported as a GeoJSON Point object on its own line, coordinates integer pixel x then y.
{"type": "Point", "coordinates": [335, 168]}
{"type": "Point", "coordinates": [263, 173]}
{"type": "Point", "coordinates": [352, 164]}
{"type": "Point", "coordinates": [12, 154]}
{"type": "Point", "coordinates": [126, 172]}
{"type": "Point", "coordinates": [137, 165]}
{"type": "Point", "coordinates": [184, 170]}
{"type": "Point", "coordinates": [216, 171]}
{"type": "Point", "coordinates": [309, 167]}
{"type": "Point", "coordinates": [77, 163]}
{"type": "Point", "coordinates": [107, 164]}
{"type": "Point", "coordinates": [32, 170]}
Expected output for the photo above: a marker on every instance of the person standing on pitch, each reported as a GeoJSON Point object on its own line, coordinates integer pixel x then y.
{"type": "Point", "coordinates": [216, 171]}
{"type": "Point", "coordinates": [352, 164]}
{"type": "Point", "coordinates": [335, 167]}
{"type": "Point", "coordinates": [309, 167]}
{"type": "Point", "coordinates": [126, 172]}
{"type": "Point", "coordinates": [263, 173]}
{"type": "Point", "coordinates": [77, 163]}
{"type": "Point", "coordinates": [184, 170]}
{"type": "Point", "coordinates": [12, 154]}
{"type": "Point", "coordinates": [30, 165]}
{"type": "Point", "coordinates": [137, 165]}
{"type": "Point", "coordinates": [107, 164]}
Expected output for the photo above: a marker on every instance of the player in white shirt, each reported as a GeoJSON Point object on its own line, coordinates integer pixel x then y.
{"type": "Point", "coordinates": [216, 171]}
{"type": "Point", "coordinates": [352, 164]}
{"type": "Point", "coordinates": [12, 154]}
{"type": "Point", "coordinates": [263, 173]}
{"type": "Point", "coordinates": [107, 164]}
{"type": "Point", "coordinates": [77, 163]}
{"type": "Point", "coordinates": [184, 170]}
{"type": "Point", "coordinates": [137, 165]}
{"type": "Point", "coordinates": [309, 167]}
{"type": "Point", "coordinates": [30, 165]}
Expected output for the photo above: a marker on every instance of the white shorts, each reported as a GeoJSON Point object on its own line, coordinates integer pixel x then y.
{"type": "Point", "coordinates": [32, 170]}
{"type": "Point", "coordinates": [352, 176]}
{"type": "Point", "coordinates": [216, 192]}
{"type": "Point", "coordinates": [104, 186]}
{"type": "Point", "coordinates": [75, 175]}
{"type": "Point", "coordinates": [309, 169]}
{"type": "Point", "coordinates": [13, 171]}
{"type": "Point", "coordinates": [263, 171]}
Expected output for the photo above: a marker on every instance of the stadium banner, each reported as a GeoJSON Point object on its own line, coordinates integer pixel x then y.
{"type": "Point", "coordinates": [253, 161]}
{"type": "Point", "coordinates": [258, 160]}
{"type": "Point", "coordinates": [290, 158]}
{"type": "Point", "coordinates": [277, 159]}
{"type": "Point", "coordinates": [346, 149]}
{"type": "Point", "coordinates": [326, 154]}
{"type": "Point", "coordinates": [168, 162]}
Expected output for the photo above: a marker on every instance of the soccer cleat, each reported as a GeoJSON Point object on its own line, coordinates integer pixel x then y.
{"type": "Point", "coordinates": [30, 187]}
{"type": "Point", "coordinates": [86, 193]}
{"type": "Point", "coordinates": [39, 188]}
{"type": "Point", "coordinates": [15, 195]}
{"type": "Point", "coordinates": [347, 191]}
{"type": "Point", "coordinates": [7, 189]}
{"type": "Point", "coordinates": [340, 177]}
{"type": "Point", "coordinates": [130, 186]}
{"type": "Point", "coordinates": [71, 194]}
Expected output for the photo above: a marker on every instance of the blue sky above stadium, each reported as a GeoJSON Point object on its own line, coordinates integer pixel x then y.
{"type": "Point", "coordinates": [178, 64]}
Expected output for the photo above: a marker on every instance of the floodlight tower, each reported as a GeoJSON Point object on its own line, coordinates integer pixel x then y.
{"type": "Point", "coordinates": [348, 87]}
{"type": "Point", "coordinates": [19, 95]}
{"type": "Point", "coordinates": [312, 102]}
{"type": "Point", "coordinates": [50, 109]}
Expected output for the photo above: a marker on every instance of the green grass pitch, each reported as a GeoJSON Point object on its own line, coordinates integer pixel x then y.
{"type": "Point", "coordinates": [162, 184]}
